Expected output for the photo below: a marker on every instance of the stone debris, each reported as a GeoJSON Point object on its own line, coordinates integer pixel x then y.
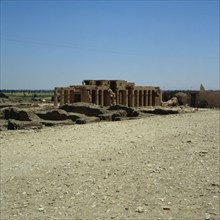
{"type": "Point", "coordinates": [17, 125]}
{"type": "Point", "coordinates": [129, 170]}
{"type": "Point", "coordinates": [76, 113]}
{"type": "Point", "coordinates": [54, 115]}
{"type": "Point", "coordinates": [41, 208]}
{"type": "Point", "coordinates": [161, 111]}
{"type": "Point", "coordinates": [207, 216]}
{"type": "Point", "coordinates": [166, 208]}
{"type": "Point", "coordinates": [84, 108]}
{"type": "Point", "coordinates": [203, 153]}
{"type": "Point", "coordinates": [19, 114]}
{"type": "Point", "coordinates": [139, 209]}
{"type": "Point", "coordinates": [172, 102]}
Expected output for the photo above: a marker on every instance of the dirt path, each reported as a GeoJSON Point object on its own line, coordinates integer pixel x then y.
{"type": "Point", "coordinates": [161, 167]}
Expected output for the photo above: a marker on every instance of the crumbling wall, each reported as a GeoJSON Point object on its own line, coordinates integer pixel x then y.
{"type": "Point", "coordinates": [212, 98]}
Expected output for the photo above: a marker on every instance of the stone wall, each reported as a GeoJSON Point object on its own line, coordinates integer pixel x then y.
{"type": "Point", "coordinates": [212, 98]}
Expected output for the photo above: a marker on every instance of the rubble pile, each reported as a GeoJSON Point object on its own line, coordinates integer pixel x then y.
{"type": "Point", "coordinates": [26, 117]}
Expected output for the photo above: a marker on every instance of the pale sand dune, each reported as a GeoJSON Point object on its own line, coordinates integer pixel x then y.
{"type": "Point", "coordinates": [160, 167]}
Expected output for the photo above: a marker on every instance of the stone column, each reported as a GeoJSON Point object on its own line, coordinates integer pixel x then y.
{"type": "Point", "coordinates": [55, 98]}
{"type": "Point", "coordinates": [61, 96]}
{"type": "Point", "coordinates": [101, 97]}
{"type": "Point", "coordinates": [142, 97]}
{"type": "Point", "coordinates": [153, 97]}
{"type": "Point", "coordinates": [71, 100]}
{"type": "Point", "coordinates": [125, 97]}
{"type": "Point", "coordinates": [120, 98]}
{"type": "Point", "coordinates": [145, 98]}
{"type": "Point", "coordinates": [97, 97]}
{"type": "Point", "coordinates": [137, 99]}
{"type": "Point", "coordinates": [109, 98]}
{"type": "Point", "coordinates": [66, 94]}
{"type": "Point", "coordinates": [132, 98]}
{"type": "Point", "coordinates": [117, 97]}
{"type": "Point", "coordinates": [150, 97]}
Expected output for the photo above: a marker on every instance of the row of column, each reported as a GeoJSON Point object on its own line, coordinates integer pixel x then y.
{"type": "Point", "coordinates": [99, 97]}
{"type": "Point", "coordinates": [102, 97]}
{"type": "Point", "coordinates": [135, 98]}
{"type": "Point", "coordinates": [131, 98]}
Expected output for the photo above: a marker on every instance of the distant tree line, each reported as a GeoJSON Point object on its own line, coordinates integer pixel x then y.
{"type": "Point", "coordinates": [24, 90]}
{"type": "Point", "coordinates": [169, 94]}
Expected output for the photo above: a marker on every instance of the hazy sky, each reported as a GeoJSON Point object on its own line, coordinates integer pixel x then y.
{"type": "Point", "coordinates": [171, 44]}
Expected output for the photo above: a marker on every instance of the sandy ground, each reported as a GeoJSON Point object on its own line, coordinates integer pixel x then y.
{"type": "Point", "coordinates": [161, 167]}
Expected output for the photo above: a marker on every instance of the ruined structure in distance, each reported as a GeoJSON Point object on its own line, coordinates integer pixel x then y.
{"type": "Point", "coordinates": [109, 92]}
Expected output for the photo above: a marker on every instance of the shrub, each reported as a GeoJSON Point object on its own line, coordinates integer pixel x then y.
{"type": "Point", "coordinates": [203, 104]}
{"type": "Point", "coordinates": [3, 96]}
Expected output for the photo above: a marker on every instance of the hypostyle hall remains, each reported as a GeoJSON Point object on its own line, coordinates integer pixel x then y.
{"type": "Point", "coordinates": [109, 92]}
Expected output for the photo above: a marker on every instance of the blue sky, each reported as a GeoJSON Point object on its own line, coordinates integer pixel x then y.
{"type": "Point", "coordinates": [171, 44]}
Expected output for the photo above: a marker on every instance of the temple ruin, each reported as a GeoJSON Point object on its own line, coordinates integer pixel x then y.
{"type": "Point", "coordinates": [202, 98]}
{"type": "Point", "coordinates": [109, 92]}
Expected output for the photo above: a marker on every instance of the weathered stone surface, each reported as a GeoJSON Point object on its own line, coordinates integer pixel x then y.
{"type": "Point", "coordinates": [130, 111]}
{"type": "Point", "coordinates": [50, 123]}
{"type": "Point", "coordinates": [80, 121]}
{"type": "Point", "coordinates": [84, 108]}
{"type": "Point", "coordinates": [26, 119]}
{"type": "Point", "coordinates": [183, 98]}
{"type": "Point", "coordinates": [3, 125]}
{"type": "Point", "coordinates": [86, 120]}
{"type": "Point", "coordinates": [119, 113]}
{"type": "Point", "coordinates": [92, 119]}
{"type": "Point", "coordinates": [10, 113]}
{"type": "Point", "coordinates": [55, 115]}
{"type": "Point", "coordinates": [145, 113]}
{"type": "Point", "coordinates": [19, 114]}
{"type": "Point", "coordinates": [117, 119]}
{"type": "Point", "coordinates": [74, 116]}
{"type": "Point", "coordinates": [161, 111]}
{"type": "Point", "coordinates": [135, 113]}
{"type": "Point", "coordinates": [188, 110]}
{"type": "Point", "coordinates": [19, 125]}
{"type": "Point", "coordinates": [111, 115]}
{"type": "Point", "coordinates": [171, 102]}
{"type": "Point", "coordinates": [167, 110]}
{"type": "Point", "coordinates": [106, 117]}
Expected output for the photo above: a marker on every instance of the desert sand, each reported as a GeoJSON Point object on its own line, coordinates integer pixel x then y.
{"type": "Point", "coordinates": [159, 167]}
